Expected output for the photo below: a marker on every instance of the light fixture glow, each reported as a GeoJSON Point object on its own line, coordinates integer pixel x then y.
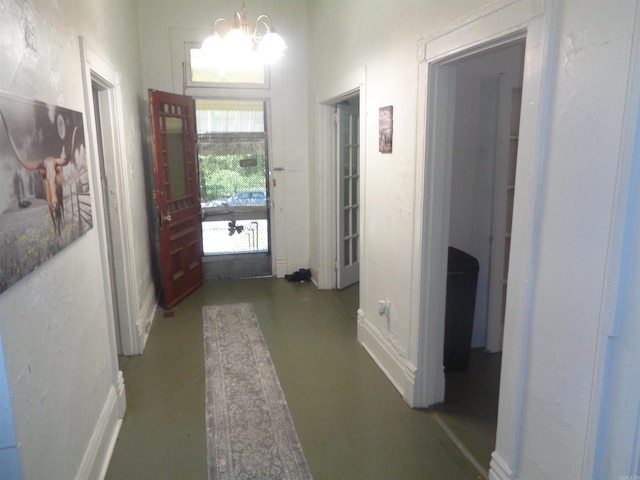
{"type": "Point", "coordinates": [240, 41]}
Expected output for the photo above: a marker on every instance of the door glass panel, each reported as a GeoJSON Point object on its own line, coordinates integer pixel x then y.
{"type": "Point", "coordinates": [347, 163]}
{"type": "Point", "coordinates": [346, 192]}
{"type": "Point", "coordinates": [175, 153]}
{"type": "Point", "coordinates": [354, 220]}
{"type": "Point", "coordinates": [354, 163]}
{"type": "Point", "coordinates": [354, 255]}
{"type": "Point", "coordinates": [354, 130]}
{"type": "Point", "coordinates": [354, 191]}
{"type": "Point", "coordinates": [347, 229]}
{"type": "Point", "coordinates": [347, 250]}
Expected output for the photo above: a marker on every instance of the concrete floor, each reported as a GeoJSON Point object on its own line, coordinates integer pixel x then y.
{"type": "Point", "coordinates": [351, 421]}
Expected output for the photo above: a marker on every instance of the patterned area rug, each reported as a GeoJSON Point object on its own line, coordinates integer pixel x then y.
{"type": "Point", "coordinates": [250, 434]}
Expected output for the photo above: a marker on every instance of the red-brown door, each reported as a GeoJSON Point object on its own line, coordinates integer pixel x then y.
{"type": "Point", "coordinates": [176, 194]}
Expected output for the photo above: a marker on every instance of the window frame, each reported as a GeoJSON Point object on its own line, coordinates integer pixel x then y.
{"type": "Point", "coordinates": [189, 83]}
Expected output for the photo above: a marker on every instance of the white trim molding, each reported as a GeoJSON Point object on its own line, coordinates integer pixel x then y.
{"type": "Point", "coordinates": [100, 448]}
{"type": "Point", "coordinates": [396, 367]}
{"type": "Point", "coordinates": [498, 469]}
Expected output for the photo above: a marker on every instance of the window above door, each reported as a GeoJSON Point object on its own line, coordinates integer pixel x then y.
{"type": "Point", "coordinates": [199, 72]}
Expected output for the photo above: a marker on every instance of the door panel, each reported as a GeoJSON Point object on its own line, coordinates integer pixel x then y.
{"type": "Point", "coordinates": [348, 134]}
{"type": "Point", "coordinates": [510, 95]}
{"type": "Point", "coordinates": [176, 194]}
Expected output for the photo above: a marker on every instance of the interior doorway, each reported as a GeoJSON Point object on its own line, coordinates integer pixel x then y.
{"type": "Point", "coordinates": [339, 243]}
{"type": "Point", "coordinates": [484, 143]}
{"type": "Point", "coordinates": [111, 190]}
{"type": "Point", "coordinates": [101, 105]}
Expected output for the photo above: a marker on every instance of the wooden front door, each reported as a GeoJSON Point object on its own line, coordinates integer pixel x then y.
{"type": "Point", "coordinates": [176, 194]}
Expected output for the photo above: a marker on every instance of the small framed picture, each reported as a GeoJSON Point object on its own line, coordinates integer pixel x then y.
{"type": "Point", "coordinates": [385, 132]}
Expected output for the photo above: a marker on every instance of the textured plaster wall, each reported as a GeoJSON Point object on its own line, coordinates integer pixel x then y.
{"type": "Point", "coordinates": [60, 363]}
{"type": "Point", "coordinates": [590, 66]}
{"type": "Point", "coordinates": [159, 20]}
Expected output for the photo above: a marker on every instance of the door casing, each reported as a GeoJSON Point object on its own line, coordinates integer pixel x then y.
{"type": "Point", "coordinates": [132, 335]}
{"type": "Point", "coordinates": [324, 270]}
{"type": "Point", "coordinates": [436, 69]}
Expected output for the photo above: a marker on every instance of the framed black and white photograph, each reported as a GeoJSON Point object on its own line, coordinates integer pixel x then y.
{"type": "Point", "coordinates": [385, 132]}
{"type": "Point", "coordinates": [45, 200]}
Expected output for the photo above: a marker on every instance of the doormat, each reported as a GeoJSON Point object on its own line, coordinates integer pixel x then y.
{"type": "Point", "coordinates": [250, 433]}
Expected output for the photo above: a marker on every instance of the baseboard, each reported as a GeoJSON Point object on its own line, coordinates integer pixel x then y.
{"type": "Point", "coordinates": [100, 448]}
{"type": "Point", "coordinates": [282, 266]}
{"type": "Point", "coordinates": [498, 468]}
{"type": "Point", "coordinates": [149, 309]}
{"type": "Point", "coordinates": [397, 369]}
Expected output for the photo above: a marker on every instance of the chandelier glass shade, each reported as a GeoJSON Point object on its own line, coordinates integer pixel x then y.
{"type": "Point", "coordinates": [240, 41]}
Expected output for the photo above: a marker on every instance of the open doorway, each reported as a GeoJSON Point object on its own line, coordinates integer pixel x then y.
{"type": "Point", "coordinates": [103, 98]}
{"type": "Point", "coordinates": [233, 169]}
{"type": "Point", "coordinates": [440, 58]}
{"type": "Point", "coordinates": [485, 125]}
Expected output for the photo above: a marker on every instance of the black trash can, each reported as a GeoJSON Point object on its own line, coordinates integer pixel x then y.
{"type": "Point", "coordinates": [462, 280]}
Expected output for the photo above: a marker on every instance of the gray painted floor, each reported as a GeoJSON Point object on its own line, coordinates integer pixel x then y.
{"type": "Point", "coordinates": [351, 421]}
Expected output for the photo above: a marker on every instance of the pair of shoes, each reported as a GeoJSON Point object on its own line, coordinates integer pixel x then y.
{"type": "Point", "coordinates": [302, 275]}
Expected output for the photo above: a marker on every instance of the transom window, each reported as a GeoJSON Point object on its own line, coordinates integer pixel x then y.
{"type": "Point", "coordinates": [250, 73]}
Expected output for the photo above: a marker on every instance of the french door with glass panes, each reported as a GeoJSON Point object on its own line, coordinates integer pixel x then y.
{"type": "Point", "coordinates": [348, 147]}
{"type": "Point", "coordinates": [234, 188]}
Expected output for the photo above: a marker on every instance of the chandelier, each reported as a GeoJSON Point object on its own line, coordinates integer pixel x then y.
{"type": "Point", "coordinates": [240, 41]}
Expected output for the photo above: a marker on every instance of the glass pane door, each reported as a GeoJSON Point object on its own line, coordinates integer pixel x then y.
{"type": "Point", "coordinates": [348, 196]}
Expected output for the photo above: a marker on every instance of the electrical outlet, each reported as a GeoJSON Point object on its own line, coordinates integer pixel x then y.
{"type": "Point", "coordinates": [384, 308]}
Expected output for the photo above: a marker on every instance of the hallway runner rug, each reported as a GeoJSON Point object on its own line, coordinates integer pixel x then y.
{"type": "Point", "coordinates": [250, 434]}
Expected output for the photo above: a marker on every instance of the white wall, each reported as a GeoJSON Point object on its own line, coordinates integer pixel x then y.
{"type": "Point", "coordinates": [546, 435]}
{"type": "Point", "coordinates": [59, 347]}
{"type": "Point", "coordinates": [591, 73]}
{"type": "Point", "coordinates": [159, 22]}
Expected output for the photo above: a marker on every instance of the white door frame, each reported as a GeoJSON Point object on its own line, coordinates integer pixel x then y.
{"type": "Point", "coordinates": [132, 336]}
{"type": "Point", "coordinates": [326, 173]}
{"type": "Point", "coordinates": [535, 21]}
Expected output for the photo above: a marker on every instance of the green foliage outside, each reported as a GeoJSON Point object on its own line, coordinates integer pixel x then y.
{"type": "Point", "coordinates": [222, 175]}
